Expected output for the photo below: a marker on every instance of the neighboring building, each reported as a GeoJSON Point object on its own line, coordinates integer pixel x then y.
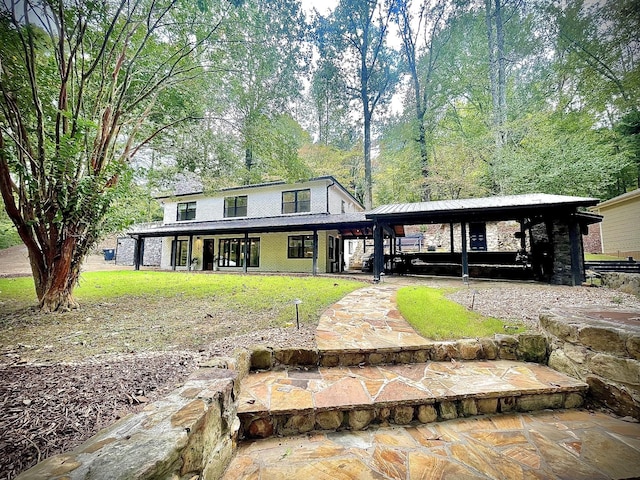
{"type": "Point", "coordinates": [620, 227]}
{"type": "Point", "coordinates": [270, 227]}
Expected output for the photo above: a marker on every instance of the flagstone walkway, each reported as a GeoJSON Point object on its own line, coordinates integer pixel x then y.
{"type": "Point", "coordinates": [542, 445]}
{"type": "Point", "coordinates": [560, 444]}
{"type": "Point", "coordinates": [367, 319]}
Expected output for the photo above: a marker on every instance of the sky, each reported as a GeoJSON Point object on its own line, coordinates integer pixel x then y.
{"type": "Point", "coordinates": [323, 6]}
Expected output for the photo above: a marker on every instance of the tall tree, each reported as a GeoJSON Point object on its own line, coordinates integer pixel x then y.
{"type": "Point", "coordinates": [354, 39]}
{"type": "Point", "coordinates": [79, 80]}
{"type": "Point", "coordinates": [265, 61]}
{"type": "Point", "coordinates": [423, 36]}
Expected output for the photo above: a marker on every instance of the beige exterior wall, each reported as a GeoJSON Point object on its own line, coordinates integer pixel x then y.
{"type": "Point", "coordinates": [621, 225]}
{"type": "Point", "coordinates": [273, 253]}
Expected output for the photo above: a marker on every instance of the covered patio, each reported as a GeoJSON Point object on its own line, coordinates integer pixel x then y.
{"type": "Point", "coordinates": [550, 237]}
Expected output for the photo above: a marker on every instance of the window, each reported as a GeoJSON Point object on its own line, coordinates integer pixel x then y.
{"type": "Point", "coordinates": [186, 211]}
{"type": "Point", "coordinates": [231, 252]}
{"type": "Point", "coordinates": [180, 253]}
{"type": "Point", "coordinates": [296, 201]}
{"type": "Point", "coordinates": [300, 246]}
{"type": "Point", "coordinates": [235, 206]}
{"type": "Point", "coordinates": [342, 207]}
{"type": "Point", "coordinates": [331, 248]}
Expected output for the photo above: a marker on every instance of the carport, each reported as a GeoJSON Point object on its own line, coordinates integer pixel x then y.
{"type": "Point", "coordinates": [550, 234]}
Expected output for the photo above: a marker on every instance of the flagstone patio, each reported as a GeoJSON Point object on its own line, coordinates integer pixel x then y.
{"type": "Point", "coordinates": [455, 419]}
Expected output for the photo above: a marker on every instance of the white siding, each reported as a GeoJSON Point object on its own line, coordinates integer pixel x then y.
{"type": "Point", "coordinates": [265, 201]}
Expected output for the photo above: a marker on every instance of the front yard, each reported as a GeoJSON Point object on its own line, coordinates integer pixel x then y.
{"type": "Point", "coordinates": [139, 334]}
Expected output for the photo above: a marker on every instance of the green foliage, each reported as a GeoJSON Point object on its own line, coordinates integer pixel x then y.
{"type": "Point", "coordinates": [560, 155]}
{"type": "Point", "coordinates": [8, 234]}
{"type": "Point", "coordinates": [435, 317]}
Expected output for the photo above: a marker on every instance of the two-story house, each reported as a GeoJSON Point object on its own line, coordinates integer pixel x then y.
{"type": "Point", "coordinates": [270, 227]}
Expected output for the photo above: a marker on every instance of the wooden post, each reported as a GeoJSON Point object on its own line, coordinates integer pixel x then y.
{"type": "Point", "coordinates": [452, 240]}
{"type": "Point", "coordinates": [136, 252]}
{"type": "Point", "coordinates": [378, 250]}
{"type": "Point", "coordinates": [315, 252]}
{"type": "Point", "coordinates": [465, 259]}
{"type": "Point", "coordinates": [245, 263]}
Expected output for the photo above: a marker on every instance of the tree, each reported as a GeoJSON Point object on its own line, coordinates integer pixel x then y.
{"type": "Point", "coordinates": [423, 36]}
{"type": "Point", "coordinates": [354, 39]}
{"type": "Point", "coordinates": [79, 84]}
{"type": "Point", "coordinates": [264, 61]}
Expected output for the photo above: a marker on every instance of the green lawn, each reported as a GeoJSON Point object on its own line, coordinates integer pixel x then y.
{"type": "Point", "coordinates": [124, 311]}
{"type": "Point", "coordinates": [438, 318]}
{"type": "Point", "coordinates": [596, 257]}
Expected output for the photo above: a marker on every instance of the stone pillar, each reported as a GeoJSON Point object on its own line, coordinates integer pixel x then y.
{"type": "Point", "coordinates": [568, 266]}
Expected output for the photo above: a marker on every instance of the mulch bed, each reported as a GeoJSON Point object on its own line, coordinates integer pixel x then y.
{"type": "Point", "coordinates": [50, 409]}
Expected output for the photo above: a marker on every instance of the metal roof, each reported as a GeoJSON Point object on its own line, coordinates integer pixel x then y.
{"type": "Point", "coordinates": [284, 223]}
{"type": "Point", "coordinates": [482, 208]}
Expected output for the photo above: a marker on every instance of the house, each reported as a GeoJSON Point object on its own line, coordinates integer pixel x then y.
{"type": "Point", "coordinates": [269, 227]}
{"type": "Point", "coordinates": [620, 227]}
{"type": "Point", "coordinates": [317, 226]}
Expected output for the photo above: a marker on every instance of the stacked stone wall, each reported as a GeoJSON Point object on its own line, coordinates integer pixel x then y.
{"type": "Point", "coordinates": [152, 251]}
{"type": "Point", "coordinates": [191, 433]}
{"type": "Point", "coordinates": [601, 353]}
{"type": "Point", "coordinates": [625, 282]}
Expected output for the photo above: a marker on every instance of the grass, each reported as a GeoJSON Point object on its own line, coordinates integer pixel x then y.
{"type": "Point", "coordinates": [8, 234]}
{"type": "Point", "coordinates": [126, 311]}
{"type": "Point", "coordinates": [435, 317]}
{"type": "Point", "coordinates": [597, 257]}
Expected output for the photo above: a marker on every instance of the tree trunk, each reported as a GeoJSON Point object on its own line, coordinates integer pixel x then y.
{"type": "Point", "coordinates": [368, 190]}
{"type": "Point", "coordinates": [55, 282]}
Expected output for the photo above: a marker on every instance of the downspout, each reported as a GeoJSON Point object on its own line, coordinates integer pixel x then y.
{"type": "Point", "coordinates": [328, 187]}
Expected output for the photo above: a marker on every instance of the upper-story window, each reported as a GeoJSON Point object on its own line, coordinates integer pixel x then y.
{"type": "Point", "coordinates": [186, 211]}
{"type": "Point", "coordinates": [296, 201]}
{"type": "Point", "coordinates": [235, 206]}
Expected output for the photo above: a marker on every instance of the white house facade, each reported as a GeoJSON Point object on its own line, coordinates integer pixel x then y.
{"type": "Point", "coordinates": [270, 227]}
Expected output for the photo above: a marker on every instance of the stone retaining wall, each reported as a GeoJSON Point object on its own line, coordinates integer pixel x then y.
{"type": "Point", "coordinates": [191, 433]}
{"type": "Point", "coordinates": [525, 347]}
{"type": "Point", "coordinates": [625, 282]}
{"type": "Point", "coordinates": [604, 354]}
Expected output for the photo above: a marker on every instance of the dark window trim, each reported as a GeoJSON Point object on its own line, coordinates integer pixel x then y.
{"type": "Point", "coordinates": [189, 212]}
{"type": "Point", "coordinates": [224, 254]}
{"type": "Point", "coordinates": [300, 246]}
{"type": "Point", "coordinates": [298, 206]}
{"type": "Point", "coordinates": [177, 248]}
{"type": "Point", "coordinates": [232, 209]}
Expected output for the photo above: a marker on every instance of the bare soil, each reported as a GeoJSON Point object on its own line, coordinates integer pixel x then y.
{"type": "Point", "coordinates": [71, 374]}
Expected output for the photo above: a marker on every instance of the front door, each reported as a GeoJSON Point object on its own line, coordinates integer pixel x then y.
{"type": "Point", "coordinates": [208, 255]}
{"type": "Point", "coordinates": [478, 236]}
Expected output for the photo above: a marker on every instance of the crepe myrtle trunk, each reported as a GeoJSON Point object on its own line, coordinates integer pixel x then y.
{"type": "Point", "coordinates": [55, 282]}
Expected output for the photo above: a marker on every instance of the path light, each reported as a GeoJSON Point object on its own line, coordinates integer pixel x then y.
{"type": "Point", "coordinates": [297, 302]}
{"type": "Point", "coordinates": [465, 279]}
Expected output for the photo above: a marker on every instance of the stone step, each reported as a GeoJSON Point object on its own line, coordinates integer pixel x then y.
{"type": "Point", "coordinates": [293, 401]}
